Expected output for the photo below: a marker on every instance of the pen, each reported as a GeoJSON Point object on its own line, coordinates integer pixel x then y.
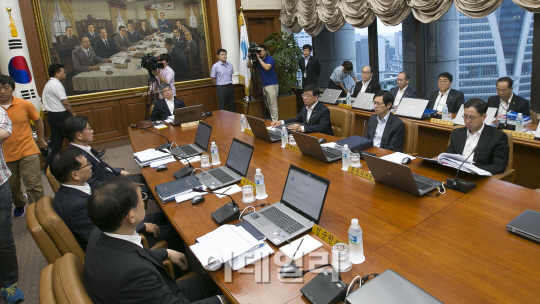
{"type": "Point", "coordinates": [297, 249]}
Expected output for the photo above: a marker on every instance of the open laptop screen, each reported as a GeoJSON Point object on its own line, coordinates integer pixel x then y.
{"type": "Point", "coordinates": [305, 193]}
{"type": "Point", "coordinates": [239, 156]}
{"type": "Point", "coordinates": [203, 135]}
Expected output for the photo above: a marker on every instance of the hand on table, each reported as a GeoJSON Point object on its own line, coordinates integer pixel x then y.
{"type": "Point", "coordinates": [276, 123]}
{"type": "Point", "coordinates": [107, 60]}
{"type": "Point", "coordinates": [178, 259]}
{"type": "Point", "coordinates": [94, 68]}
{"type": "Point", "coordinates": [132, 49]}
{"type": "Point", "coordinates": [295, 127]}
{"type": "Point", "coordinates": [152, 228]}
{"type": "Point", "coordinates": [124, 172]}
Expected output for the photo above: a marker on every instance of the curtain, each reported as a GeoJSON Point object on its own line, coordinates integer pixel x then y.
{"type": "Point", "coordinates": [114, 16]}
{"type": "Point", "coordinates": [47, 11]}
{"type": "Point", "coordinates": [149, 15]}
{"type": "Point", "coordinates": [123, 14]}
{"type": "Point", "coordinates": [532, 6]}
{"type": "Point", "coordinates": [67, 10]}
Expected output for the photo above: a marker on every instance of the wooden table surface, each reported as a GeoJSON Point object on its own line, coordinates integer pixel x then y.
{"type": "Point", "coordinates": [447, 245]}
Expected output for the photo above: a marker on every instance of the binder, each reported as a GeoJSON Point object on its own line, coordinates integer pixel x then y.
{"type": "Point", "coordinates": [167, 191]}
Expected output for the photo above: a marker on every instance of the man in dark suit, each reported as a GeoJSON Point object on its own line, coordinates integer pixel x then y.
{"type": "Point", "coordinates": [314, 116]}
{"type": "Point", "coordinates": [165, 107]}
{"type": "Point", "coordinates": [310, 67]}
{"type": "Point", "coordinates": [179, 40]}
{"type": "Point", "coordinates": [403, 90]}
{"type": "Point", "coordinates": [69, 40]}
{"type": "Point", "coordinates": [117, 269]}
{"type": "Point", "coordinates": [367, 85]}
{"type": "Point", "coordinates": [384, 128]}
{"type": "Point", "coordinates": [144, 31]}
{"type": "Point", "coordinates": [122, 41]}
{"type": "Point", "coordinates": [506, 100]}
{"type": "Point", "coordinates": [104, 47]}
{"type": "Point", "coordinates": [452, 98]}
{"type": "Point", "coordinates": [492, 150]}
{"type": "Point", "coordinates": [178, 63]}
{"type": "Point", "coordinates": [91, 34]}
{"type": "Point", "coordinates": [133, 34]}
{"type": "Point", "coordinates": [191, 50]}
{"type": "Point", "coordinates": [85, 59]}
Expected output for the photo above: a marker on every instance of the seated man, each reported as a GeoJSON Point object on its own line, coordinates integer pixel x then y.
{"type": "Point", "coordinates": [122, 41]}
{"type": "Point", "coordinates": [506, 100]}
{"type": "Point", "coordinates": [164, 108]}
{"type": "Point", "coordinates": [339, 74]}
{"type": "Point", "coordinates": [85, 59]}
{"type": "Point", "coordinates": [402, 90]}
{"type": "Point", "coordinates": [69, 40]}
{"type": "Point", "coordinates": [117, 269]}
{"type": "Point", "coordinates": [144, 31]}
{"type": "Point", "coordinates": [384, 128]}
{"type": "Point", "coordinates": [74, 171]}
{"type": "Point", "coordinates": [133, 34]}
{"type": "Point", "coordinates": [367, 85]}
{"type": "Point", "coordinates": [452, 98]}
{"type": "Point", "coordinates": [314, 115]}
{"type": "Point", "coordinates": [492, 150]}
{"type": "Point", "coordinates": [104, 47]}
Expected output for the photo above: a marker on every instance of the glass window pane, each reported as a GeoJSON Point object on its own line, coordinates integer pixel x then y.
{"type": "Point", "coordinates": [390, 41]}
{"type": "Point", "coordinates": [362, 50]}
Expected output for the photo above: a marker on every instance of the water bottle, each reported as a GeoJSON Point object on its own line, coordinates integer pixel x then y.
{"type": "Point", "coordinates": [445, 112]}
{"type": "Point", "coordinates": [243, 123]}
{"type": "Point", "coordinates": [215, 154]}
{"type": "Point", "coordinates": [284, 137]}
{"type": "Point", "coordinates": [259, 185]}
{"type": "Point", "coordinates": [348, 98]}
{"type": "Point", "coordinates": [345, 157]}
{"type": "Point", "coordinates": [519, 123]}
{"type": "Point", "coordinates": [356, 243]}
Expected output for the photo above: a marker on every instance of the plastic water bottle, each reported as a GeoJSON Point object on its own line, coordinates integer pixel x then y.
{"type": "Point", "coordinates": [345, 157]}
{"type": "Point", "coordinates": [284, 137]}
{"type": "Point", "coordinates": [243, 123]}
{"type": "Point", "coordinates": [356, 243]}
{"type": "Point", "coordinates": [348, 98]}
{"type": "Point", "coordinates": [445, 112]}
{"type": "Point", "coordinates": [215, 153]}
{"type": "Point", "coordinates": [259, 185]}
{"type": "Point", "coordinates": [519, 123]}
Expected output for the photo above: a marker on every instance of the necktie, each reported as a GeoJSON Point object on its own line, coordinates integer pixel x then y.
{"type": "Point", "coordinates": [106, 44]}
{"type": "Point", "coordinates": [88, 53]}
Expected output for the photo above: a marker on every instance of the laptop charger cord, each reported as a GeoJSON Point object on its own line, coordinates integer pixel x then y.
{"type": "Point", "coordinates": [359, 282]}
{"type": "Point", "coordinates": [247, 208]}
{"type": "Point", "coordinates": [441, 190]}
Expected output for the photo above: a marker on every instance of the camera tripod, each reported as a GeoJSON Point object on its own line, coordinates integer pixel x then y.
{"type": "Point", "coordinates": [256, 74]}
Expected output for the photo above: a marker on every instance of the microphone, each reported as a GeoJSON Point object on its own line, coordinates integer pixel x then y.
{"type": "Point", "coordinates": [289, 269]}
{"type": "Point", "coordinates": [186, 171]}
{"type": "Point", "coordinates": [459, 184]}
{"type": "Point", "coordinates": [166, 145]}
{"type": "Point", "coordinates": [205, 114]}
{"type": "Point", "coordinates": [504, 125]}
{"type": "Point", "coordinates": [225, 213]}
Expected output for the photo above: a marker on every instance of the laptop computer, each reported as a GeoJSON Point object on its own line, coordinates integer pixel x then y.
{"type": "Point", "coordinates": [390, 288]}
{"type": "Point", "coordinates": [300, 207]}
{"type": "Point", "coordinates": [235, 168]}
{"type": "Point", "coordinates": [537, 133]}
{"type": "Point", "coordinates": [330, 96]}
{"type": "Point", "coordinates": [490, 114]}
{"type": "Point", "coordinates": [202, 139]}
{"type": "Point", "coordinates": [259, 130]}
{"type": "Point", "coordinates": [399, 176]}
{"type": "Point", "coordinates": [412, 107]}
{"type": "Point", "coordinates": [309, 145]}
{"type": "Point", "coordinates": [364, 101]}
{"type": "Point", "coordinates": [526, 225]}
{"type": "Point", "coordinates": [187, 114]}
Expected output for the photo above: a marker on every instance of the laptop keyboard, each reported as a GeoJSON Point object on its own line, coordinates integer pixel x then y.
{"type": "Point", "coordinates": [189, 150]}
{"type": "Point", "coordinates": [274, 136]}
{"type": "Point", "coordinates": [422, 186]}
{"type": "Point", "coordinates": [331, 153]}
{"type": "Point", "coordinates": [424, 183]}
{"type": "Point", "coordinates": [282, 220]}
{"type": "Point", "coordinates": [221, 176]}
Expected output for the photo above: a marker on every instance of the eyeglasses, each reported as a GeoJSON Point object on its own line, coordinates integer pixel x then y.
{"type": "Point", "coordinates": [444, 81]}
{"type": "Point", "coordinates": [377, 103]}
{"type": "Point", "coordinates": [87, 164]}
{"type": "Point", "coordinates": [89, 128]}
{"type": "Point", "coordinates": [502, 90]}
{"type": "Point", "coordinates": [401, 80]}
{"type": "Point", "coordinates": [307, 95]}
{"type": "Point", "coordinates": [144, 197]}
{"type": "Point", "coordinates": [470, 118]}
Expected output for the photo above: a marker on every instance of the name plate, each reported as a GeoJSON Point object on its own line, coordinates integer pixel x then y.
{"type": "Point", "coordinates": [244, 181]}
{"type": "Point", "coordinates": [326, 236]}
{"type": "Point", "coordinates": [362, 173]}
{"type": "Point", "coordinates": [293, 148]}
{"type": "Point", "coordinates": [442, 122]}
{"type": "Point", "coordinates": [346, 106]}
{"type": "Point", "coordinates": [520, 134]}
{"type": "Point", "coordinates": [190, 124]}
{"type": "Point", "coordinates": [248, 131]}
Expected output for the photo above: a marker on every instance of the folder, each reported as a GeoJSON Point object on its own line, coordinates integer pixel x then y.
{"type": "Point", "coordinates": [167, 191]}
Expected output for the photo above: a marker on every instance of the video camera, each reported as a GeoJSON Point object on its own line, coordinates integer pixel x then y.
{"type": "Point", "coordinates": [253, 49]}
{"type": "Point", "coordinates": [149, 62]}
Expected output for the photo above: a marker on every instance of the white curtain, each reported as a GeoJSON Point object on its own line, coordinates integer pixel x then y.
{"type": "Point", "coordinates": [119, 22]}
{"type": "Point", "coordinates": [58, 22]}
{"type": "Point", "coordinates": [192, 19]}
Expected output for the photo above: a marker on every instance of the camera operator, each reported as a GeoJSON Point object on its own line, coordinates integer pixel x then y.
{"type": "Point", "coordinates": [163, 75]}
{"type": "Point", "coordinates": [269, 78]}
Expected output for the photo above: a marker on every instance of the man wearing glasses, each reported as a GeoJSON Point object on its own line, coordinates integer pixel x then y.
{"type": "Point", "coordinates": [384, 128]}
{"type": "Point", "coordinates": [367, 85]}
{"type": "Point", "coordinates": [314, 116]}
{"type": "Point", "coordinates": [165, 107]}
{"type": "Point", "coordinates": [403, 90]}
{"type": "Point", "coordinates": [452, 98]}
{"type": "Point", "coordinates": [506, 100]}
{"type": "Point", "coordinates": [492, 150]}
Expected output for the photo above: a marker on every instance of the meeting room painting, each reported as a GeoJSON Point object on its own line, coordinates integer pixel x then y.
{"type": "Point", "coordinates": [125, 71]}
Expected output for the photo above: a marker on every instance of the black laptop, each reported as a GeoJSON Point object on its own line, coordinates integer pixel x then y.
{"type": "Point", "coordinates": [309, 145]}
{"type": "Point", "coordinates": [258, 127]}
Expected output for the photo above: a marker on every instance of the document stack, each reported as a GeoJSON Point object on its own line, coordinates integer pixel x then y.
{"type": "Point", "coordinates": [154, 157]}
{"type": "Point", "coordinates": [455, 161]}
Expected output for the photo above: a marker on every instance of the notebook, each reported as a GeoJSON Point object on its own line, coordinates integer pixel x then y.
{"type": "Point", "coordinates": [330, 96]}
{"type": "Point", "coordinates": [187, 114]}
{"type": "Point", "coordinates": [412, 107]}
{"type": "Point", "coordinates": [168, 191]}
{"type": "Point", "coordinates": [364, 101]}
{"type": "Point", "coordinates": [526, 225]}
{"type": "Point", "coordinates": [309, 145]}
{"type": "Point", "coordinates": [202, 139]}
{"type": "Point", "coordinates": [300, 207]}
{"type": "Point", "coordinates": [258, 127]}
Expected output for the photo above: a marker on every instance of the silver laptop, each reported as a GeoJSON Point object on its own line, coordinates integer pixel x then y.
{"type": "Point", "coordinates": [526, 225]}
{"type": "Point", "coordinates": [235, 168]}
{"type": "Point", "coordinates": [390, 288]}
{"type": "Point", "coordinates": [399, 176]}
{"type": "Point", "coordinates": [412, 107]}
{"type": "Point", "coordinates": [202, 139]}
{"type": "Point", "coordinates": [300, 207]}
{"type": "Point", "coordinates": [537, 133]}
{"type": "Point", "coordinates": [490, 114]}
{"type": "Point", "coordinates": [309, 145]}
{"type": "Point", "coordinates": [330, 96]}
{"type": "Point", "coordinates": [258, 127]}
{"type": "Point", "coordinates": [187, 114]}
{"type": "Point", "coordinates": [364, 101]}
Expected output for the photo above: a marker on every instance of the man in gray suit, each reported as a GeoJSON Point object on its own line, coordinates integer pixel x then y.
{"type": "Point", "coordinates": [122, 41]}
{"type": "Point", "coordinates": [85, 59]}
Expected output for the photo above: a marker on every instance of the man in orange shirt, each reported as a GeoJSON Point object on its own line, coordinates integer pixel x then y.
{"type": "Point", "coordinates": [20, 149]}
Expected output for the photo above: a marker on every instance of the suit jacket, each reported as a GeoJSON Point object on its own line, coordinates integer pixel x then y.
{"type": "Point", "coordinates": [518, 104]}
{"type": "Point", "coordinates": [191, 50]}
{"type": "Point", "coordinates": [93, 39]}
{"type": "Point", "coordinates": [179, 64]}
{"type": "Point", "coordinates": [101, 171]}
{"type": "Point", "coordinates": [146, 32]}
{"type": "Point", "coordinates": [135, 37]}
{"type": "Point", "coordinates": [373, 87]}
{"type": "Point", "coordinates": [492, 152]}
{"type": "Point", "coordinates": [81, 62]}
{"type": "Point", "coordinates": [312, 71]}
{"type": "Point", "coordinates": [161, 110]}
{"type": "Point", "coordinates": [409, 92]}
{"type": "Point", "coordinates": [180, 42]}
{"type": "Point", "coordinates": [70, 204]}
{"type": "Point", "coordinates": [69, 43]}
{"type": "Point", "coordinates": [393, 134]}
{"type": "Point", "coordinates": [454, 100]}
{"type": "Point", "coordinates": [102, 50]}
{"type": "Point", "coordinates": [318, 122]}
{"type": "Point", "coordinates": [122, 44]}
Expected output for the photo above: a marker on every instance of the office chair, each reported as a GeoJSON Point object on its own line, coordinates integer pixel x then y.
{"type": "Point", "coordinates": [52, 180]}
{"type": "Point", "coordinates": [410, 142]}
{"type": "Point", "coordinates": [341, 121]}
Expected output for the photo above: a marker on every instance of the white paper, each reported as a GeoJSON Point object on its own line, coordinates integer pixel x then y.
{"type": "Point", "coordinates": [162, 162]}
{"type": "Point", "coordinates": [329, 145]}
{"type": "Point", "coordinates": [192, 159]}
{"type": "Point", "coordinates": [150, 154]}
{"type": "Point", "coordinates": [170, 119]}
{"type": "Point", "coordinates": [397, 157]}
{"type": "Point", "coordinates": [118, 60]}
{"type": "Point", "coordinates": [308, 245]}
{"type": "Point", "coordinates": [161, 126]}
{"type": "Point", "coordinates": [455, 161]}
{"type": "Point", "coordinates": [187, 196]}
{"type": "Point", "coordinates": [232, 190]}
{"type": "Point", "coordinates": [251, 257]}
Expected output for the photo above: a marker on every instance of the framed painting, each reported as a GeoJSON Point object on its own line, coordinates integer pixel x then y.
{"type": "Point", "coordinates": [101, 43]}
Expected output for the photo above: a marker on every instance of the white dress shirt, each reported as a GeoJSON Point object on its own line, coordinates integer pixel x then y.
{"type": "Point", "coordinates": [86, 188]}
{"type": "Point", "coordinates": [135, 238]}
{"type": "Point", "coordinates": [399, 96]}
{"type": "Point", "coordinates": [88, 150]}
{"type": "Point", "coordinates": [364, 86]}
{"type": "Point", "coordinates": [53, 93]}
{"type": "Point", "coordinates": [380, 130]}
{"type": "Point", "coordinates": [170, 104]}
{"type": "Point", "coordinates": [503, 106]}
{"type": "Point", "coordinates": [308, 115]}
{"type": "Point", "coordinates": [440, 101]}
{"type": "Point", "coordinates": [472, 141]}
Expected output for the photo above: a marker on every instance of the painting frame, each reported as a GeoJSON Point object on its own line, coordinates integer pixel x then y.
{"type": "Point", "coordinates": [46, 56]}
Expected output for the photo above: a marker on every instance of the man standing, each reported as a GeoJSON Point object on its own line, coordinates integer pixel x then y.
{"type": "Point", "coordinates": [69, 40]}
{"type": "Point", "coordinates": [163, 76]}
{"type": "Point", "coordinates": [93, 36]}
{"type": "Point", "coordinates": [310, 67]}
{"type": "Point", "coordinates": [122, 41]}
{"type": "Point", "coordinates": [85, 59]}
{"type": "Point", "coordinates": [339, 74]}
{"type": "Point", "coordinates": [133, 35]}
{"type": "Point", "coordinates": [221, 75]}
{"type": "Point", "coordinates": [367, 85]}
{"type": "Point", "coordinates": [20, 150]}
{"type": "Point", "coordinates": [144, 31]}
{"type": "Point", "coordinates": [104, 47]}
{"type": "Point", "coordinates": [506, 101]}
{"type": "Point", "coordinates": [452, 98]}
{"type": "Point", "coordinates": [385, 129]}
{"type": "Point", "coordinates": [191, 50]}
{"type": "Point", "coordinates": [164, 25]}
{"type": "Point", "coordinates": [179, 26]}
{"type": "Point", "coordinates": [403, 90]}
{"type": "Point", "coordinates": [9, 268]}
{"type": "Point", "coordinates": [165, 107]}
{"type": "Point", "coordinates": [269, 79]}
{"type": "Point", "coordinates": [179, 63]}
{"type": "Point", "coordinates": [179, 40]}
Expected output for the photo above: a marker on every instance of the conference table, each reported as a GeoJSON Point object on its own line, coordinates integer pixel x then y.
{"type": "Point", "coordinates": [454, 246]}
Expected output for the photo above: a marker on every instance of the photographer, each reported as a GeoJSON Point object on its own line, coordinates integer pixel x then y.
{"type": "Point", "coordinates": [269, 78]}
{"type": "Point", "coordinates": [163, 75]}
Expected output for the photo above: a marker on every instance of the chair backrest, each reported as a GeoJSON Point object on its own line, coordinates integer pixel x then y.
{"type": "Point", "coordinates": [52, 180]}
{"type": "Point", "coordinates": [455, 127]}
{"type": "Point", "coordinates": [41, 237]}
{"type": "Point", "coordinates": [534, 117]}
{"type": "Point", "coordinates": [353, 123]}
{"type": "Point", "coordinates": [410, 142]}
{"type": "Point", "coordinates": [341, 121]}
{"type": "Point", "coordinates": [68, 281]}
{"type": "Point", "coordinates": [511, 154]}
{"type": "Point", "coordinates": [56, 228]}
{"type": "Point", "coordinates": [46, 289]}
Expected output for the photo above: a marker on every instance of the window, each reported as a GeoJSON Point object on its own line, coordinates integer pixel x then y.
{"type": "Point", "coordinates": [153, 22]}
{"type": "Point", "coordinates": [58, 23]}
{"type": "Point", "coordinates": [362, 50]}
{"type": "Point", "coordinates": [119, 22]}
{"type": "Point", "coordinates": [390, 51]}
